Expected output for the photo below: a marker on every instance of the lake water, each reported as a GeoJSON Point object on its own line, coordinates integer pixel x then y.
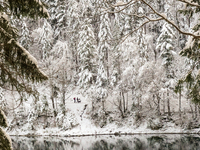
{"type": "Point", "coordinates": [134, 142]}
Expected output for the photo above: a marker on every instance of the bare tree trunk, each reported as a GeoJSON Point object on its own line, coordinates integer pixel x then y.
{"type": "Point", "coordinates": [124, 103]}
{"type": "Point", "coordinates": [63, 89]}
{"type": "Point", "coordinates": [132, 93]}
{"type": "Point", "coordinates": [191, 109]}
{"type": "Point", "coordinates": [127, 102]}
{"type": "Point", "coordinates": [195, 111]}
{"type": "Point", "coordinates": [103, 104]}
{"type": "Point", "coordinates": [163, 103]}
{"type": "Point", "coordinates": [168, 104]}
{"type": "Point", "coordinates": [107, 66]}
{"type": "Point", "coordinates": [158, 105]}
{"type": "Point", "coordinates": [92, 105]}
{"type": "Point", "coordinates": [52, 100]}
{"type": "Point", "coordinates": [180, 104]}
{"type": "Point", "coordinates": [120, 105]}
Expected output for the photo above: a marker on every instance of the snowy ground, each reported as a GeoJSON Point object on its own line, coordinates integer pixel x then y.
{"type": "Point", "coordinates": [87, 127]}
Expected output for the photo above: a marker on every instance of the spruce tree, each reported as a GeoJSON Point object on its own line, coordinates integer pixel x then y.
{"type": "Point", "coordinates": [86, 51]}
{"type": "Point", "coordinates": [165, 46]}
{"type": "Point", "coordinates": [17, 65]}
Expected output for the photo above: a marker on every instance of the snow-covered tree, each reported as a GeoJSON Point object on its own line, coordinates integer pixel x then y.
{"type": "Point", "coordinates": [87, 53]}
{"type": "Point", "coordinates": [25, 40]}
{"type": "Point", "coordinates": [43, 37]}
{"type": "Point", "coordinates": [165, 46]}
{"type": "Point", "coordinates": [104, 48]}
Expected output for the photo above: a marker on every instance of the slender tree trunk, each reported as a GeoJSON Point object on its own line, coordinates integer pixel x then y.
{"type": "Point", "coordinates": [127, 102]}
{"type": "Point", "coordinates": [107, 66]}
{"type": "Point", "coordinates": [124, 103]}
{"type": "Point", "coordinates": [164, 103]}
{"type": "Point", "coordinates": [52, 100]}
{"type": "Point", "coordinates": [92, 105]}
{"type": "Point", "coordinates": [132, 93]}
{"type": "Point", "coordinates": [120, 104]}
{"type": "Point", "coordinates": [158, 105]}
{"type": "Point", "coordinates": [195, 111]}
{"type": "Point", "coordinates": [191, 109]}
{"type": "Point", "coordinates": [168, 104]}
{"type": "Point", "coordinates": [63, 89]}
{"type": "Point", "coordinates": [180, 104]}
{"type": "Point", "coordinates": [103, 104]}
{"type": "Point", "coordinates": [139, 102]}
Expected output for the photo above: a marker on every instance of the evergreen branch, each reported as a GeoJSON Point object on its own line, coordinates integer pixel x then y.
{"type": "Point", "coordinates": [31, 8]}
{"type": "Point", "coordinates": [31, 60]}
{"type": "Point", "coordinates": [13, 81]}
{"type": "Point", "coordinates": [5, 33]}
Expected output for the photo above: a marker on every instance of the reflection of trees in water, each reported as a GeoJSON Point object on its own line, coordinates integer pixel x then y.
{"type": "Point", "coordinates": [38, 144]}
{"type": "Point", "coordinates": [122, 143]}
{"type": "Point", "coordinates": [182, 143]}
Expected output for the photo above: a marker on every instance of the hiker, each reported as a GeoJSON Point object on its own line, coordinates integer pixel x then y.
{"type": "Point", "coordinates": [75, 100]}
{"type": "Point", "coordinates": [78, 100]}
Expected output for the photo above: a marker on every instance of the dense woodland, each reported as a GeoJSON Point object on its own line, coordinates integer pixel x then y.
{"type": "Point", "coordinates": [133, 59]}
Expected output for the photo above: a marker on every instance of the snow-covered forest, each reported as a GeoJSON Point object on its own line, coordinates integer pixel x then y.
{"type": "Point", "coordinates": [112, 66]}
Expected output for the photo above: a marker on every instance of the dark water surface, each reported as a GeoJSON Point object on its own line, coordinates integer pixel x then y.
{"type": "Point", "coordinates": [134, 142]}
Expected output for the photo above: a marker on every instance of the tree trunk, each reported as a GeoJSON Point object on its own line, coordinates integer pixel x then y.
{"type": "Point", "coordinates": [132, 93]}
{"type": "Point", "coordinates": [63, 89]}
{"type": "Point", "coordinates": [52, 100]}
{"type": "Point", "coordinates": [191, 109]}
{"type": "Point", "coordinates": [168, 104]}
{"type": "Point", "coordinates": [180, 103]}
{"type": "Point", "coordinates": [107, 66]}
{"type": "Point", "coordinates": [195, 111]}
{"type": "Point", "coordinates": [163, 103]}
{"type": "Point", "coordinates": [124, 103]}
{"type": "Point", "coordinates": [127, 102]}
{"type": "Point", "coordinates": [158, 105]}
{"type": "Point", "coordinates": [120, 105]}
{"type": "Point", "coordinates": [103, 105]}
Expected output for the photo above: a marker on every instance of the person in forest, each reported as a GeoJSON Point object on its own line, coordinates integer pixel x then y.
{"type": "Point", "coordinates": [74, 100]}
{"type": "Point", "coordinates": [78, 100]}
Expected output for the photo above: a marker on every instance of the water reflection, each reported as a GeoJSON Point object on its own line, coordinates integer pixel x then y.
{"type": "Point", "coordinates": [136, 142]}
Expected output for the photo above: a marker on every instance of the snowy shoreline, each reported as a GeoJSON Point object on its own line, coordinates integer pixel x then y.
{"type": "Point", "coordinates": [117, 133]}
{"type": "Point", "coordinates": [106, 134]}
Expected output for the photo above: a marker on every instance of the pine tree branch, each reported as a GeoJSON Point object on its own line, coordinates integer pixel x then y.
{"type": "Point", "coordinates": [31, 61]}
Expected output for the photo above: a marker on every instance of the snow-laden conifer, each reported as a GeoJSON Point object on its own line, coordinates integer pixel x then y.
{"type": "Point", "coordinates": [87, 52]}
{"type": "Point", "coordinates": [104, 48]}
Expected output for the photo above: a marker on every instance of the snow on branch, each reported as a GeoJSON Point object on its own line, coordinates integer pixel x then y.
{"type": "Point", "coordinates": [24, 51]}
{"type": "Point", "coordinates": [190, 3]}
{"type": "Point", "coordinates": [170, 22]}
{"type": "Point", "coordinates": [161, 15]}
{"type": "Point", "coordinates": [30, 58]}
